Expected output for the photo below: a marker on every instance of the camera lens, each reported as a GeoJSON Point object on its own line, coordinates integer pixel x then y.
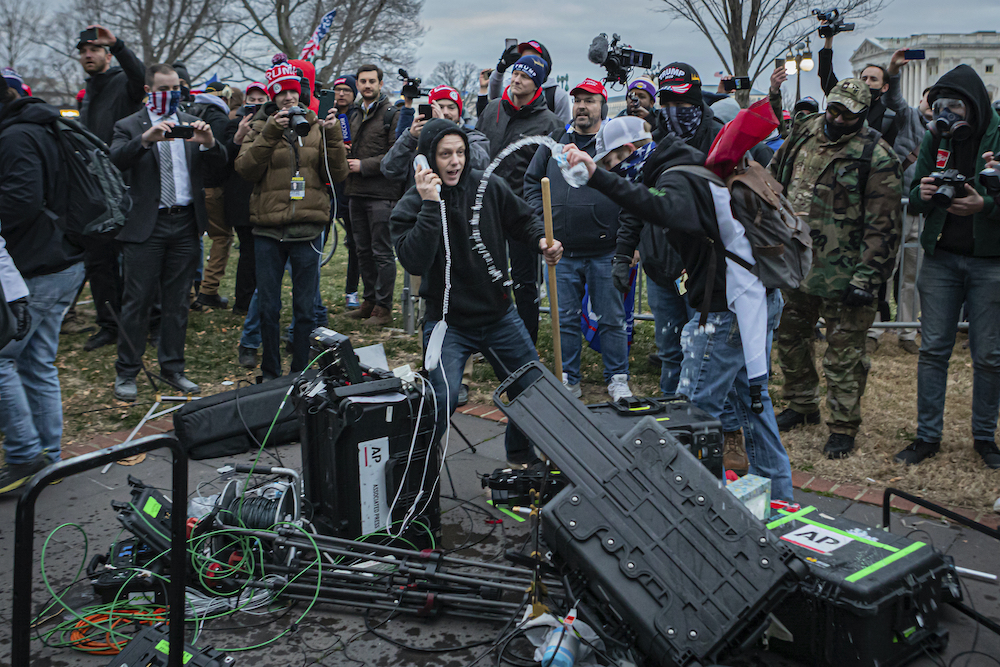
{"type": "Point", "coordinates": [943, 196]}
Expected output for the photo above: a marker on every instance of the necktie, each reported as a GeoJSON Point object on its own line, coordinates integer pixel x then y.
{"type": "Point", "coordinates": [168, 196]}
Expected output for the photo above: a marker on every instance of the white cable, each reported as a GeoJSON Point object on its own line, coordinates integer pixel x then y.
{"type": "Point", "coordinates": [406, 471]}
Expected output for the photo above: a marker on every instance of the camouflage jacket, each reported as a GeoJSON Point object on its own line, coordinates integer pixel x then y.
{"type": "Point", "coordinates": [855, 226]}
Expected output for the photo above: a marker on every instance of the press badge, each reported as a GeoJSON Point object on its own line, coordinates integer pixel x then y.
{"type": "Point", "coordinates": [298, 189]}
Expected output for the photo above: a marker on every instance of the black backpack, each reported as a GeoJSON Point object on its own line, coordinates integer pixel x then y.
{"type": "Point", "coordinates": [97, 197]}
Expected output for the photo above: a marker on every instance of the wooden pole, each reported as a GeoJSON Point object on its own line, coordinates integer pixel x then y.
{"type": "Point", "coordinates": [553, 295]}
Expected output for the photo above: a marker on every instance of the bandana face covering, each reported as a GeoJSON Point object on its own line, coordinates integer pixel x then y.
{"type": "Point", "coordinates": [631, 166]}
{"type": "Point", "coordinates": [684, 120]}
{"type": "Point", "coordinates": [163, 102]}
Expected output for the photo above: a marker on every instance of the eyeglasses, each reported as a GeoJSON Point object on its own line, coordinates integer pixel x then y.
{"type": "Point", "coordinates": [842, 112]}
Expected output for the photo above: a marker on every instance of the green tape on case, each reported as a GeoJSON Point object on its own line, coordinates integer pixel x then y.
{"type": "Point", "coordinates": [517, 518]}
{"type": "Point", "coordinates": [875, 567]}
{"type": "Point", "coordinates": [856, 538]}
{"type": "Point", "coordinates": [163, 646]}
{"type": "Point", "coordinates": [790, 516]}
{"type": "Point", "coordinates": [152, 507]}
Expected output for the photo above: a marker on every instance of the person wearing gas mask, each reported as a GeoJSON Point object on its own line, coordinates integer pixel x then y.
{"type": "Point", "coordinates": [463, 267]}
{"type": "Point", "coordinates": [845, 182]}
{"type": "Point", "coordinates": [289, 155]}
{"type": "Point", "coordinates": [961, 243]}
{"type": "Point", "coordinates": [159, 241]}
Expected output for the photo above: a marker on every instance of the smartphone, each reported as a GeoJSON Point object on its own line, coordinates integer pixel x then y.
{"type": "Point", "coordinates": [779, 63]}
{"type": "Point", "coordinates": [251, 109]}
{"type": "Point", "coordinates": [509, 42]}
{"type": "Point", "coordinates": [88, 35]}
{"type": "Point", "coordinates": [738, 83]}
{"type": "Point", "coordinates": [913, 54]}
{"type": "Point", "coordinates": [326, 102]}
{"type": "Point", "coordinates": [425, 110]}
{"type": "Point", "coordinates": [182, 131]}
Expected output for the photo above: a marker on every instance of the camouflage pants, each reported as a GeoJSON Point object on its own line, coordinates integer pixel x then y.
{"type": "Point", "coordinates": [845, 364]}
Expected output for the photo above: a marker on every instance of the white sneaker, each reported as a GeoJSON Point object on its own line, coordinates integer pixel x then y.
{"type": "Point", "coordinates": [618, 387]}
{"type": "Point", "coordinates": [574, 389]}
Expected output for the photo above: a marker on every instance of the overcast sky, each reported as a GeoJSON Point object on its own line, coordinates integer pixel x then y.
{"type": "Point", "coordinates": [475, 31]}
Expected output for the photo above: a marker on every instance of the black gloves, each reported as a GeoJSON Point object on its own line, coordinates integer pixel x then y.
{"type": "Point", "coordinates": [21, 316]}
{"type": "Point", "coordinates": [855, 297]}
{"type": "Point", "coordinates": [621, 270]}
{"type": "Point", "coordinates": [508, 58]}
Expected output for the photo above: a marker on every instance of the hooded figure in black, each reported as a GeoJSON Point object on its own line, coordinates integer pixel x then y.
{"type": "Point", "coordinates": [480, 316]}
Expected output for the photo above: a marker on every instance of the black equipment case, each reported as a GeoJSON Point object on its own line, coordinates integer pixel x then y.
{"type": "Point", "coordinates": [872, 599]}
{"type": "Point", "coordinates": [693, 427]}
{"type": "Point", "coordinates": [356, 454]}
{"type": "Point", "coordinates": [660, 542]}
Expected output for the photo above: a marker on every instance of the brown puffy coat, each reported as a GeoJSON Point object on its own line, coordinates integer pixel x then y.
{"type": "Point", "coordinates": [267, 159]}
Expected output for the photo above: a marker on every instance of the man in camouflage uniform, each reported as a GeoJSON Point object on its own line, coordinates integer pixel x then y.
{"type": "Point", "coordinates": [845, 181]}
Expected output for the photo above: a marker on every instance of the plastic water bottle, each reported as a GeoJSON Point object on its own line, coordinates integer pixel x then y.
{"type": "Point", "coordinates": [576, 176]}
{"type": "Point", "coordinates": [568, 645]}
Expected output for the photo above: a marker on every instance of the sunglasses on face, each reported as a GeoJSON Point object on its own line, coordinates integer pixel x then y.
{"type": "Point", "coordinates": [842, 112]}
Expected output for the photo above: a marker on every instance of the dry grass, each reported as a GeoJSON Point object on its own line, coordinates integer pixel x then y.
{"type": "Point", "coordinates": [956, 476]}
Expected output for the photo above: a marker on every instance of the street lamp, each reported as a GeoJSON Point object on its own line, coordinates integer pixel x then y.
{"type": "Point", "coordinates": [799, 59]}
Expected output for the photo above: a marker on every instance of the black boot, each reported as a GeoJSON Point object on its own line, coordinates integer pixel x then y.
{"type": "Point", "coordinates": [790, 418]}
{"type": "Point", "coordinates": [838, 446]}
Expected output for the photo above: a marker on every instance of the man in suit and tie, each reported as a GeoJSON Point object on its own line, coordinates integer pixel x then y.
{"type": "Point", "coordinates": [160, 237]}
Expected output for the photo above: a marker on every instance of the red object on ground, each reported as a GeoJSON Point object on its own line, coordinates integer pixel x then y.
{"type": "Point", "coordinates": [731, 476]}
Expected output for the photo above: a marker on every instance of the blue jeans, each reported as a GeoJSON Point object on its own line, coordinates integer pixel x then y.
{"type": "Point", "coordinates": [31, 416]}
{"type": "Point", "coordinates": [945, 282]}
{"type": "Point", "coordinates": [572, 273]}
{"type": "Point", "coordinates": [271, 257]}
{"type": "Point", "coordinates": [505, 344]}
{"type": "Point", "coordinates": [713, 364]}
{"type": "Point", "coordinates": [251, 325]}
{"type": "Point", "coordinates": [775, 304]}
{"type": "Point", "coordinates": [670, 313]}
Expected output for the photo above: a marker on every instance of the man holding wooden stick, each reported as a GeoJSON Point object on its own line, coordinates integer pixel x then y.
{"type": "Point", "coordinates": [462, 260]}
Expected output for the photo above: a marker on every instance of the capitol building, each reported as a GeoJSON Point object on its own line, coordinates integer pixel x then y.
{"type": "Point", "coordinates": [980, 50]}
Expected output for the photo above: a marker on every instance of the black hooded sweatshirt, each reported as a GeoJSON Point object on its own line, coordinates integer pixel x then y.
{"type": "Point", "coordinates": [113, 94]}
{"type": "Point", "coordinates": [957, 234]}
{"type": "Point", "coordinates": [683, 204]}
{"type": "Point", "coordinates": [32, 190]}
{"type": "Point", "coordinates": [476, 299]}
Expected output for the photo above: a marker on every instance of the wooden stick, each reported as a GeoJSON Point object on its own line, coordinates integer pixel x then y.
{"type": "Point", "coordinates": [553, 295]}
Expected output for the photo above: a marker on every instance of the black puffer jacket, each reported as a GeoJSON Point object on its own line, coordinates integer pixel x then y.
{"type": "Point", "coordinates": [684, 207]}
{"type": "Point", "coordinates": [584, 220]}
{"type": "Point", "coordinates": [476, 299]}
{"type": "Point", "coordinates": [33, 204]}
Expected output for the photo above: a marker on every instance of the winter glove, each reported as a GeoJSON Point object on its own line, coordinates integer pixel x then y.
{"type": "Point", "coordinates": [621, 273]}
{"type": "Point", "coordinates": [855, 297]}
{"type": "Point", "coordinates": [21, 316]}
{"type": "Point", "coordinates": [508, 58]}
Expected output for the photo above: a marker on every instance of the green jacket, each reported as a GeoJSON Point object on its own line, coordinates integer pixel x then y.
{"type": "Point", "coordinates": [986, 223]}
{"type": "Point", "coordinates": [855, 227]}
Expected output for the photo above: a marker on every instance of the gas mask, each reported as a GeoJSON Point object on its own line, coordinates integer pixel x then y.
{"type": "Point", "coordinates": [948, 122]}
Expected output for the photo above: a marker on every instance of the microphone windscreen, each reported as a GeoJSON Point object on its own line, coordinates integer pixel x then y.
{"type": "Point", "coordinates": [598, 51]}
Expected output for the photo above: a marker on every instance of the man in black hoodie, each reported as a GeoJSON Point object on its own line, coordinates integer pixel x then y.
{"type": "Point", "coordinates": [961, 242]}
{"type": "Point", "coordinates": [714, 367]}
{"type": "Point", "coordinates": [473, 296]}
{"type": "Point", "coordinates": [520, 112]}
{"type": "Point", "coordinates": [33, 207]}
{"type": "Point", "coordinates": [112, 93]}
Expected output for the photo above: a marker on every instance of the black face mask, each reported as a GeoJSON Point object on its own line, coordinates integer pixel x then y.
{"type": "Point", "coordinates": [836, 132]}
{"type": "Point", "coordinates": [876, 94]}
{"type": "Point", "coordinates": [185, 93]}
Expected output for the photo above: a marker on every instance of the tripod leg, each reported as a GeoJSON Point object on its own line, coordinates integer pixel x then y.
{"type": "Point", "coordinates": [472, 447]}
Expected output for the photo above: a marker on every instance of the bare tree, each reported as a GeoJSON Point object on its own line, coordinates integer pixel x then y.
{"type": "Point", "coordinates": [463, 77]}
{"type": "Point", "coordinates": [19, 20]}
{"type": "Point", "coordinates": [752, 32]}
{"type": "Point", "coordinates": [383, 31]}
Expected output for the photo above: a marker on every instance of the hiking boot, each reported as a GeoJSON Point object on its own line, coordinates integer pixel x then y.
{"type": "Point", "coordinates": [734, 455]}
{"type": "Point", "coordinates": [351, 301]}
{"type": "Point", "coordinates": [16, 475]}
{"type": "Point", "coordinates": [988, 450]}
{"type": "Point", "coordinates": [248, 357]}
{"type": "Point", "coordinates": [125, 389]}
{"type": "Point", "coordinates": [380, 317]}
{"type": "Point", "coordinates": [917, 451]}
{"type": "Point", "coordinates": [213, 301]}
{"type": "Point", "coordinates": [364, 312]}
{"type": "Point", "coordinates": [100, 339]}
{"type": "Point", "coordinates": [73, 324]}
{"type": "Point", "coordinates": [788, 419]}
{"type": "Point", "coordinates": [838, 446]}
{"type": "Point", "coordinates": [618, 387]}
{"type": "Point", "coordinates": [909, 346]}
{"type": "Point", "coordinates": [463, 394]}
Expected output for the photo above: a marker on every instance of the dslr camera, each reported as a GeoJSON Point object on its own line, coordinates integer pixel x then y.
{"type": "Point", "coordinates": [297, 121]}
{"type": "Point", "coordinates": [950, 186]}
{"type": "Point", "coordinates": [411, 84]}
{"type": "Point", "coordinates": [835, 22]}
{"type": "Point", "coordinates": [618, 60]}
{"type": "Point", "coordinates": [989, 178]}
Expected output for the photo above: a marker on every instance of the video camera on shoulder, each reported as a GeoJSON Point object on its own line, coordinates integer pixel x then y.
{"type": "Point", "coordinates": [411, 84]}
{"type": "Point", "coordinates": [297, 121]}
{"type": "Point", "coordinates": [618, 60]}
{"type": "Point", "coordinates": [835, 22]}
{"type": "Point", "coordinates": [950, 186]}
